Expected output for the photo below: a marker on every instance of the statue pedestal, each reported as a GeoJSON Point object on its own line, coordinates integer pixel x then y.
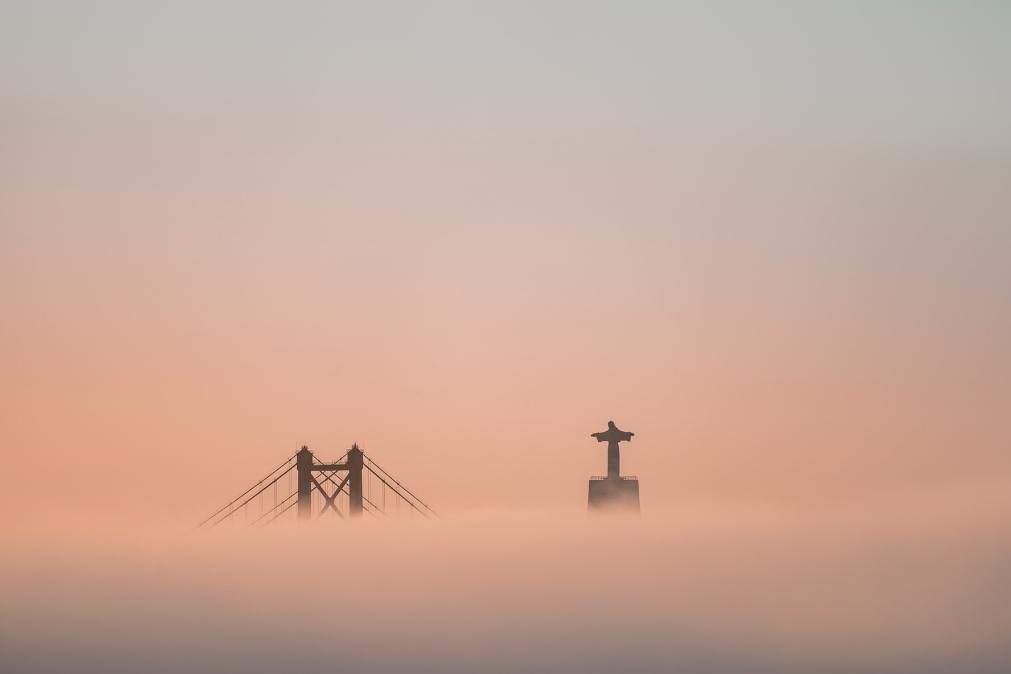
{"type": "Point", "coordinates": [614, 494]}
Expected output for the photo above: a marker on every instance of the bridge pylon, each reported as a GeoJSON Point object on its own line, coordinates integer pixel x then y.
{"type": "Point", "coordinates": [306, 466]}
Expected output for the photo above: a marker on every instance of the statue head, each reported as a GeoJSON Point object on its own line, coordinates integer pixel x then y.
{"type": "Point", "coordinates": [610, 424]}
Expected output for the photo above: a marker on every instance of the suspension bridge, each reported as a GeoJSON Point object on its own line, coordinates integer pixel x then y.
{"type": "Point", "coordinates": [306, 487]}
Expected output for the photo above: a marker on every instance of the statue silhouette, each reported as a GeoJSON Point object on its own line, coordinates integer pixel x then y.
{"type": "Point", "coordinates": [612, 436]}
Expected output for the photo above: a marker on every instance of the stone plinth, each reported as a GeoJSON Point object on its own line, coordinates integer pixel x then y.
{"type": "Point", "coordinates": [614, 494]}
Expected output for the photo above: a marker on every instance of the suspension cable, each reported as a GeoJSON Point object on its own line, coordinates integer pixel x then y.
{"type": "Point", "coordinates": [398, 484]}
{"type": "Point", "coordinates": [290, 506]}
{"type": "Point", "coordinates": [262, 489]}
{"type": "Point", "coordinates": [229, 504]}
{"type": "Point", "coordinates": [374, 506]}
{"type": "Point", "coordinates": [274, 508]}
{"type": "Point", "coordinates": [405, 499]}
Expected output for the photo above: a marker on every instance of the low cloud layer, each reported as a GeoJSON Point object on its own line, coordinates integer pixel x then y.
{"type": "Point", "coordinates": [902, 585]}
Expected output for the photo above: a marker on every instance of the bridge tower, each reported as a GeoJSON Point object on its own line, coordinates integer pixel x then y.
{"type": "Point", "coordinates": [306, 466]}
{"type": "Point", "coordinates": [355, 463]}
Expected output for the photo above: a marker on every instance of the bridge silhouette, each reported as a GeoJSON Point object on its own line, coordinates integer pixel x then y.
{"type": "Point", "coordinates": [350, 486]}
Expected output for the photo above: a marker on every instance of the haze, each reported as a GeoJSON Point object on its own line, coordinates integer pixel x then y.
{"type": "Point", "coordinates": [769, 238]}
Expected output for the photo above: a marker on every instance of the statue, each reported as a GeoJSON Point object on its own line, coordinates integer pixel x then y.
{"type": "Point", "coordinates": [614, 492]}
{"type": "Point", "coordinates": [612, 436]}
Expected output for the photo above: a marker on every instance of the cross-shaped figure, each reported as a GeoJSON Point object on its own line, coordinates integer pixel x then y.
{"type": "Point", "coordinates": [612, 436]}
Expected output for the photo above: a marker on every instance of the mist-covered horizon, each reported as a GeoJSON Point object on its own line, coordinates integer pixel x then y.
{"type": "Point", "coordinates": [902, 588]}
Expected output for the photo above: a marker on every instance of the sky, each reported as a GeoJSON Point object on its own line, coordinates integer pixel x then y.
{"type": "Point", "coordinates": [769, 238]}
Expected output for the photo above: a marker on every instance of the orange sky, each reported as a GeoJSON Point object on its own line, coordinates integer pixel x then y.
{"type": "Point", "coordinates": [466, 241]}
{"type": "Point", "coordinates": [809, 328]}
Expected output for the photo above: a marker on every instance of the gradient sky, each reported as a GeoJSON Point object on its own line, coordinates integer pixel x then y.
{"type": "Point", "coordinates": [770, 238]}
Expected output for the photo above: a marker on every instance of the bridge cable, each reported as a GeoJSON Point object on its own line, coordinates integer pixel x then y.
{"type": "Point", "coordinates": [374, 506]}
{"type": "Point", "coordinates": [405, 499]}
{"type": "Point", "coordinates": [398, 484]}
{"type": "Point", "coordinates": [290, 506]}
{"type": "Point", "coordinates": [244, 503]}
{"type": "Point", "coordinates": [281, 503]}
{"type": "Point", "coordinates": [226, 506]}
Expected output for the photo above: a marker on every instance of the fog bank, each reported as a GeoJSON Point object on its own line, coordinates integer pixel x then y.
{"type": "Point", "coordinates": [903, 585]}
